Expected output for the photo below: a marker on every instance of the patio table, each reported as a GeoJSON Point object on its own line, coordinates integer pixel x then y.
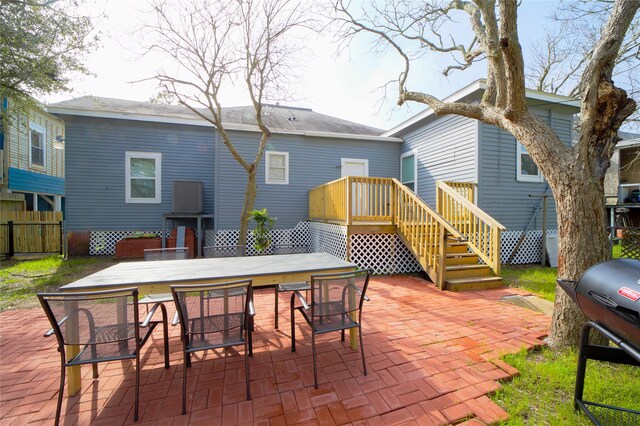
{"type": "Point", "coordinates": [156, 277]}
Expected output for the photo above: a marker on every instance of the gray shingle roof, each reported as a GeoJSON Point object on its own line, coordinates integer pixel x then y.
{"type": "Point", "coordinates": [277, 117]}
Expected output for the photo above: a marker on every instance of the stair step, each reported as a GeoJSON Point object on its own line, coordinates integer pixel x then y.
{"type": "Point", "coordinates": [472, 283]}
{"type": "Point", "coordinates": [462, 258]}
{"type": "Point", "coordinates": [467, 271]}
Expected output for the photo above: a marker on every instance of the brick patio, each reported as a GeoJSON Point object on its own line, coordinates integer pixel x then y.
{"type": "Point", "coordinates": [432, 359]}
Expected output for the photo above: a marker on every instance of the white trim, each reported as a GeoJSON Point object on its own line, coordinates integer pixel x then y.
{"type": "Point", "coordinates": [413, 152]}
{"type": "Point", "coordinates": [158, 178]}
{"type": "Point", "coordinates": [355, 160]}
{"type": "Point", "coordinates": [267, 178]}
{"type": "Point", "coordinates": [519, 176]}
{"type": "Point", "coordinates": [474, 87]}
{"type": "Point", "coordinates": [200, 122]}
{"type": "Point", "coordinates": [43, 130]}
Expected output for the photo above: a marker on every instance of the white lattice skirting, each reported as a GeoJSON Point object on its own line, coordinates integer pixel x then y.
{"type": "Point", "coordinates": [529, 251]}
{"type": "Point", "coordinates": [328, 238]}
{"type": "Point", "coordinates": [384, 253]}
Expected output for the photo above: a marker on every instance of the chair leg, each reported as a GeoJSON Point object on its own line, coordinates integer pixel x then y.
{"type": "Point", "coordinates": [187, 363]}
{"type": "Point", "coordinates": [364, 364]}
{"type": "Point", "coordinates": [246, 372]}
{"type": "Point", "coordinates": [94, 367]}
{"type": "Point", "coordinates": [276, 308]}
{"type": "Point", "coordinates": [315, 367]}
{"type": "Point", "coordinates": [60, 393]}
{"type": "Point", "coordinates": [135, 407]}
{"type": "Point", "coordinates": [342, 335]}
{"type": "Point", "coordinates": [250, 338]}
{"type": "Point", "coordinates": [293, 324]}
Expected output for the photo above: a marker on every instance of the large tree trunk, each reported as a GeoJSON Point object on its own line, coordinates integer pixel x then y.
{"type": "Point", "coordinates": [249, 200]}
{"type": "Point", "coordinates": [582, 237]}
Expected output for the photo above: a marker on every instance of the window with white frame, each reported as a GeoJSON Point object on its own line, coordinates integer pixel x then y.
{"type": "Point", "coordinates": [37, 145]}
{"type": "Point", "coordinates": [143, 173]}
{"type": "Point", "coordinates": [277, 168]}
{"type": "Point", "coordinates": [527, 171]}
{"type": "Point", "coordinates": [409, 170]}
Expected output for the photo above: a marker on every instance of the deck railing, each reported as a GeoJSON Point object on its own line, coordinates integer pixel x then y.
{"type": "Point", "coordinates": [358, 200]}
{"type": "Point", "coordinates": [481, 231]}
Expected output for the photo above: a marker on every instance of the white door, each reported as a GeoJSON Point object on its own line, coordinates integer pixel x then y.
{"type": "Point", "coordinates": [359, 190]}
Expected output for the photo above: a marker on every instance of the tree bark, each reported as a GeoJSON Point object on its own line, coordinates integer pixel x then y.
{"type": "Point", "coordinates": [250, 192]}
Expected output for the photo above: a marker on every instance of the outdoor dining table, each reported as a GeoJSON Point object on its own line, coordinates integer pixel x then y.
{"type": "Point", "coordinates": [156, 277]}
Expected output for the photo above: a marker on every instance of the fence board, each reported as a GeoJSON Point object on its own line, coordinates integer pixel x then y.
{"type": "Point", "coordinates": [34, 232]}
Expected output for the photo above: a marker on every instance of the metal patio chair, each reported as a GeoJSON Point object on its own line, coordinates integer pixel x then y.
{"type": "Point", "coordinates": [170, 253]}
{"type": "Point", "coordinates": [224, 251]}
{"type": "Point", "coordinates": [98, 326]}
{"type": "Point", "coordinates": [286, 287]}
{"type": "Point", "coordinates": [210, 322]}
{"type": "Point", "coordinates": [336, 305]}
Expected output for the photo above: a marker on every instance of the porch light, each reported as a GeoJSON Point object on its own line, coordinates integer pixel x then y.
{"type": "Point", "coordinates": [58, 143]}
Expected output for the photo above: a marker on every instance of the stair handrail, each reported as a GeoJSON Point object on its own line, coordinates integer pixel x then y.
{"type": "Point", "coordinates": [472, 222]}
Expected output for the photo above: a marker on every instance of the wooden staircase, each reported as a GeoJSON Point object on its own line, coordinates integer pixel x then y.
{"type": "Point", "coordinates": [457, 244]}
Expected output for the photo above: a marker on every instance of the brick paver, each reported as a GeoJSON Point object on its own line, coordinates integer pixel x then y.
{"type": "Point", "coordinates": [432, 359]}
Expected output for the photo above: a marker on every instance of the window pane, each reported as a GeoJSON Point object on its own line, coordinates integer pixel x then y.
{"type": "Point", "coordinates": [143, 188]}
{"type": "Point", "coordinates": [276, 160]}
{"type": "Point", "coordinates": [529, 168]}
{"type": "Point", "coordinates": [408, 168]}
{"type": "Point", "coordinates": [276, 174]}
{"type": "Point", "coordinates": [37, 156]}
{"type": "Point", "coordinates": [36, 139]}
{"type": "Point", "coordinates": [143, 167]}
{"type": "Point", "coordinates": [411, 186]}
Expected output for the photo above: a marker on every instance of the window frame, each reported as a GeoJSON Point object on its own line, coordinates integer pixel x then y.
{"type": "Point", "coordinates": [157, 156]}
{"type": "Point", "coordinates": [522, 177]}
{"type": "Point", "coordinates": [267, 176]}
{"type": "Point", "coordinates": [40, 129]}
{"type": "Point", "coordinates": [413, 152]}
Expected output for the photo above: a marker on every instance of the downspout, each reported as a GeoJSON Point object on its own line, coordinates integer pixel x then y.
{"type": "Point", "coordinates": [216, 162]}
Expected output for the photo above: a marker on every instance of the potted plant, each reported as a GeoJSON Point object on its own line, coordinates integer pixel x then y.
{"type": "Point", "coordinates": [262, 231]}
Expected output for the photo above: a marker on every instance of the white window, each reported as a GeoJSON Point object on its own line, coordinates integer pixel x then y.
{"type": "Point", "coordinates": [409, 170]}
{"type": "Point", "coordinates": [37, 145]}
{"type": "Point", "coordinates": [527, 170]}
{"type": "Point", "coordinates": [277, 168]}
{"type": "Point", "coordinates": [143, 173]}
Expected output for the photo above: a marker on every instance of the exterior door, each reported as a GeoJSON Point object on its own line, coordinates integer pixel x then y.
{"type": "Point", "coordinates": [359, 190]}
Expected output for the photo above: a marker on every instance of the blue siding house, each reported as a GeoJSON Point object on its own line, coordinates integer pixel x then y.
{"type": "Point", "coordinates": [32, 169]}
{"type": "Point", "coordinates": [122, 157]}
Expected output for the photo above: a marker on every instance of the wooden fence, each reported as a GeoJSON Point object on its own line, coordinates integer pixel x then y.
{"type": "Point", "coordinates": [31, 233]}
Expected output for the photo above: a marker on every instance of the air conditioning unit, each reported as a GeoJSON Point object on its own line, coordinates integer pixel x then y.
{"type": "Point", "coordinates": [188, 196]}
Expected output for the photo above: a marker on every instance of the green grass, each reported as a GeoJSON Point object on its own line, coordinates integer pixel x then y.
{"type": "Point", "coordinates": [543, 392]}
{"type": "Point", "coordinates": [537, 279]}
{"type": "Point", "coordinates": [20, 280]}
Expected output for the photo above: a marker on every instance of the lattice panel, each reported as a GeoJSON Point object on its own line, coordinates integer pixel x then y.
{"type": "Point", "coordinates": [384, 253]}
{"type": "Point", "coordinates": [529, 251]}
{"type": "Point", "coordinates": [630, 243]}
{"type": "Point", "coordinates": [328, 238]}
{"type": "Point", "coordinates": [103, 243]}
{"type": "Point", "coordinates": [298, 235]}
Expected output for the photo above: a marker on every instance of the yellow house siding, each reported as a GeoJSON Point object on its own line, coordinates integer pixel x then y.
{"type": "Point", "coordinates": [18, 143]}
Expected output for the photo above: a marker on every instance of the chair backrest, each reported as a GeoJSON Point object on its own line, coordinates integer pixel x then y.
{"type": "Point", "coordinates": [93, 318]}
{"type": "Point", "coordinates": [289, 248]}
{"type": "Point", "coordinates": [335, 295]}
{"type": "Point", "coordinates": [213, 310]}
{"type": "Point", "coordinates": [173, 253]}
{"type": "Point", "coordinates": [224, 251]}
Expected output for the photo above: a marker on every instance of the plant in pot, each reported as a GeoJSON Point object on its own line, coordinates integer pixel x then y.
{"type": "Point", "coordinates": [262, 231]}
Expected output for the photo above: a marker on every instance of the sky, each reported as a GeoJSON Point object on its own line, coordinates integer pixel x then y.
{"type": "Point", "coordinates": [346, 85]}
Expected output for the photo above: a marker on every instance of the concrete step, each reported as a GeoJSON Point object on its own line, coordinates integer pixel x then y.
{"type": "Point", "coordinates": [462, 259]}
{"type": "Point", "coordinates": [472, 283]}
{"type": "Point", "coordinates": [467, 271]}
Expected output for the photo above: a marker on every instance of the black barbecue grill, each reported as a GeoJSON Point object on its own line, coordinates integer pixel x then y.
{"type": "Point", "coordinates": [609, 295]}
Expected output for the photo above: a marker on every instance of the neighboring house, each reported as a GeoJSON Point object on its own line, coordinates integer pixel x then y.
{"type": "Point", "coordinates": [108, 139]}
{"type": "Point", "coordinates": [32, 170]}
{"type": "Point", "coordinates": [622, 181]}
{"type": "Point", "coordinates": [456, 148]}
